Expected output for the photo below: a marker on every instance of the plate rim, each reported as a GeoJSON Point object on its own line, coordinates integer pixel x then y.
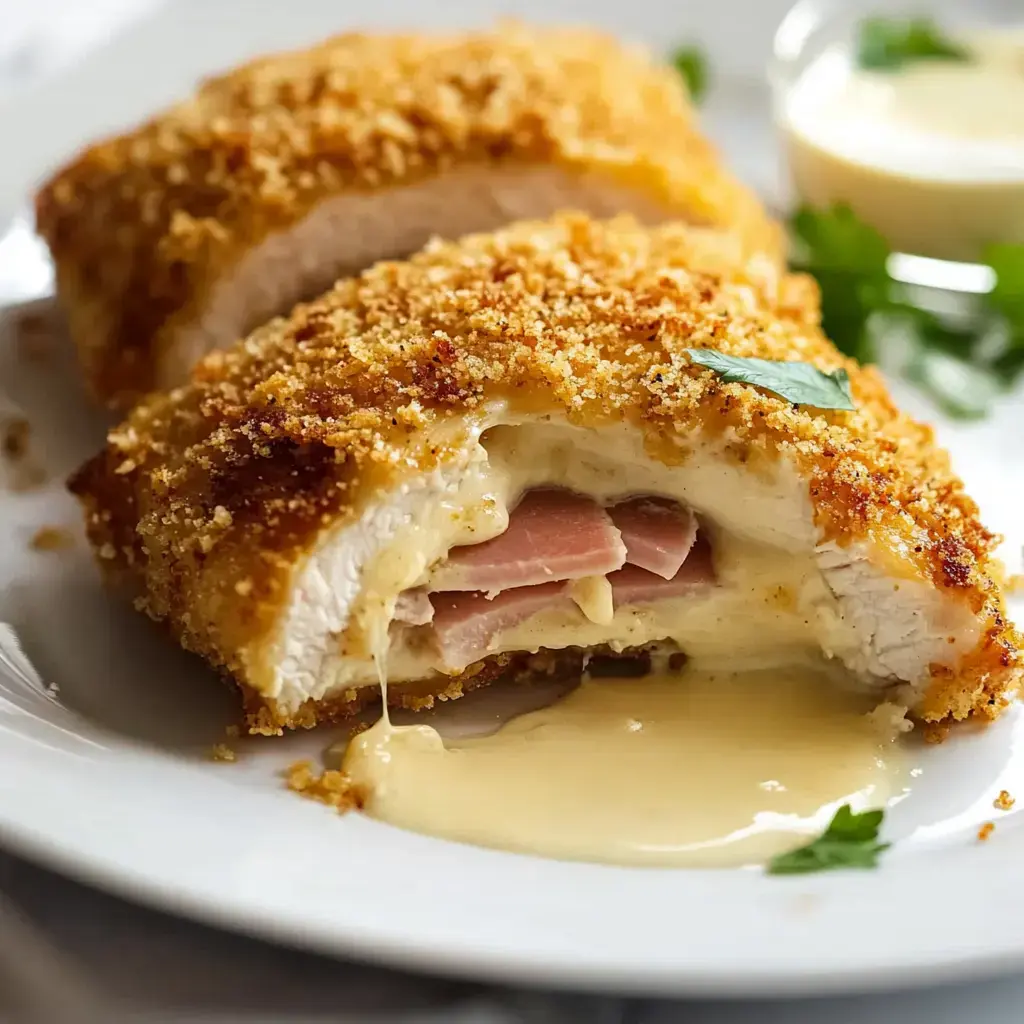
{"type": "Point", "coordinates": [505, 960]}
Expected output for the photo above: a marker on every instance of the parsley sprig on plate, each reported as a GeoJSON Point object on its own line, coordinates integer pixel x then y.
{"type": "Point", "coordinates": [963, 363]}
{"type": "Point", "coordinates": [850, 841]}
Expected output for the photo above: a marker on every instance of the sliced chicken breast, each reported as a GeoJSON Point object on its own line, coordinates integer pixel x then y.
{"type": "Point", "coordinates": [516, 413]}
{"type": "Point", "coordinates": [274, 180]}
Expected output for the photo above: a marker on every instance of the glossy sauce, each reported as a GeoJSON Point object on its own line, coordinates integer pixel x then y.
{"type": "Point", "coordinates": [931, 154]}
{"type": "Point", "coordinates": [699, 769]}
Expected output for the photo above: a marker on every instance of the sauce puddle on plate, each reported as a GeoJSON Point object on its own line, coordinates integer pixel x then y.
{"type": "Point", "coordinates": [698, 769]}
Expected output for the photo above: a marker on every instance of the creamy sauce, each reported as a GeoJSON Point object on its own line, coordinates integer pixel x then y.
{"type": "Point", "coordinates": [931, 155]}
{"type": "Point", "coordinates": [700, 769]}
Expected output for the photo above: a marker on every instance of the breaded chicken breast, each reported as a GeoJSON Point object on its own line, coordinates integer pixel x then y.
{"type": "Point", "coordinates": [274, 180]}
{"type": "Point", "coordinates": [498, 456]}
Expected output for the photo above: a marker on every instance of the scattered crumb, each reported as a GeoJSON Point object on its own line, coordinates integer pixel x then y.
{"type": "Point", "coordinates": [232, 732]}
{"type": "Point", "coordinates": [34, 338]}
{"type": "Point", "coordinates": [1004, 801]}
{"type": "Point", "coordinates": [986, 830]}
{"type": "Point", "coordinates": [222, 752]}
{"type": "Point", "coordinates": [935, 732]}
{"type": "Point", "coordinates": [25, 473]}
{"type": "Point", "coordinates": [16, 433]}
{"type": "Point", "coordinates": [51, 538]}
{"type": "Point", "coordinates": [331, 787]}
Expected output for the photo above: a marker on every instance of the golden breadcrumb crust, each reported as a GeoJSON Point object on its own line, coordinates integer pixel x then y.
{"type": "Point", "coordinates": [143, 226]}
{"type": "Point", "coordinates": [208, 497]}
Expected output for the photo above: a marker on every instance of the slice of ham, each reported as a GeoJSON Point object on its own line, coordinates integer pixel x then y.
{"type": "Point", "coordinates": [633, 585]}
{"type": "Point", "coordinates": [413, 607]}
{"type": "Point", "coordinates": [466, 623]}
{"type": "Point", "coordinates": [552, 535]}
{"type": "Point", "coordinates": [658, 533]}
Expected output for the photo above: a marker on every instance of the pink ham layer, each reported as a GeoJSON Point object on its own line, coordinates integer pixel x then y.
{"type": "Point", "coordinates": [633, 585]}
{"type": "Point", "coordinates": [658, 533]}
{"type": "Point", "coordinates": [552, 535]}
{"type": "Point", "coordinates": [466, 623]}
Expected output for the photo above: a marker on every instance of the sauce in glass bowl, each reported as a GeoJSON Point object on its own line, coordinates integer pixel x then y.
{"type": "Point", "coordinates": [929, 153]}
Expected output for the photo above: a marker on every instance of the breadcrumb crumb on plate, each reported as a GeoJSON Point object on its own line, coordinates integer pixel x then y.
{"type": "Point", "coordinates": [331, 787]}
{"type": "Point", "coordinates": [52, 538]}
{"type": "Point", "coordinates": [1004, 802]}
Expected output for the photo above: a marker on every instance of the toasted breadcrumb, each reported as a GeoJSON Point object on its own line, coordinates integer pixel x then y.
{"type": "Point", "coordinates": [23, 472]}
{"type": "Point", "coordinates": [222, 752]}
{"type": "Point", "coordinates": [986, 830]}
{"type": "Point", "coordinates": [330, 787]}
{"type": "Point", "coordinates": [936, 732]}
{"type": "Point", "coordinates": [51, 538]}
{"type": "Point", "coordinates": [167, 211]}
{"type": "Point", "coordinates": [15, 438]}
{"type": "Point", "coordinates": [303, 423]}
{"type": "Point", "coordinates": [1004, 801]}
{"type": "Point", "coordinates": [33, 334]}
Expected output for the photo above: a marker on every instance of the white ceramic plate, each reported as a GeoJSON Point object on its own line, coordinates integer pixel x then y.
{"type": "Point", "coordinates": [109, 780]}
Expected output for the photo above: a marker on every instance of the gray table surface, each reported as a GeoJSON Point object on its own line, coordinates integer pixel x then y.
{"type": "Point", "coordinates": [152, 967]}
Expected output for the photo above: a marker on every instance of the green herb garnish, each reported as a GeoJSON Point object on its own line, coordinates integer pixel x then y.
{"type": "Point", "coordinates": [692, 64]}
{"type": "Point", "coordinates": [850, 841]}
{"type": "Point", "coordinates": [961, 363]}
{"type": "Point", "coordinates": [799, 383]}
{"type": "Point", "coordinates": [885, 44]}
{"type": "Point", "coordinates": [848, 258]}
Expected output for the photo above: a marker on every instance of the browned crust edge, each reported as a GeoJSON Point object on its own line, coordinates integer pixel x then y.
{"type": "Point", "coordinates": [143, 226]}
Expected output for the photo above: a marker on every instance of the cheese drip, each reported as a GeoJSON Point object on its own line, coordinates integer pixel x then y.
{"type": "Point", "coordinates": [698, 770]}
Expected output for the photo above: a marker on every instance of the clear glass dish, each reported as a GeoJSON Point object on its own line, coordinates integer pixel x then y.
{"type": "Point", "coordinates": [817, 30]}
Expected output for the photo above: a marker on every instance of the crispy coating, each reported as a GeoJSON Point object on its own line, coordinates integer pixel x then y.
{"type": "Point", "coordinates": [144, 225]}
{"type": "Point", "coordinates": [208, 497]}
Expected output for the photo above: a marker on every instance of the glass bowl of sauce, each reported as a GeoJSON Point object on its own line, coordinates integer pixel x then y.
{"type": "Point", "coordinates": [913, 116]}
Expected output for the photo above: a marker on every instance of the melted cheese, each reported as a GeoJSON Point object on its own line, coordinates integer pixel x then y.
{"type": "Point", "coordinates": [770, 588]}
{"type": "Point", "coordinates": [782, 597]}
{"type": "Point", "coordinates": [701, 769]}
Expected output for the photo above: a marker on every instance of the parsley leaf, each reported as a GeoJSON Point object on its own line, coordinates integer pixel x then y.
{"type": "Point", "coordinates": [799, 383]}
{"type": "Point", "coordinates": [885, 44]}
{"type": "Point", "coordinates": [692, 64]}
{"type": "Point", "coordinates": [848, 258]}
{"type": "Point", "coordinates": [1007, 297]}
{"type": "Point", "coordinates": [850, 841]}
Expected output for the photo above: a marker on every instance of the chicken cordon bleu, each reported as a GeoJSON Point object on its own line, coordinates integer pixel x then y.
{"type": "Point", "coordinates": [276, 179]}
{"type": "Point", "coordinates": [499, 458]}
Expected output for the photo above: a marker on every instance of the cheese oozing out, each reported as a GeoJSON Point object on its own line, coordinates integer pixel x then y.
{"type": "Point", "coordinates": [779, 596]}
